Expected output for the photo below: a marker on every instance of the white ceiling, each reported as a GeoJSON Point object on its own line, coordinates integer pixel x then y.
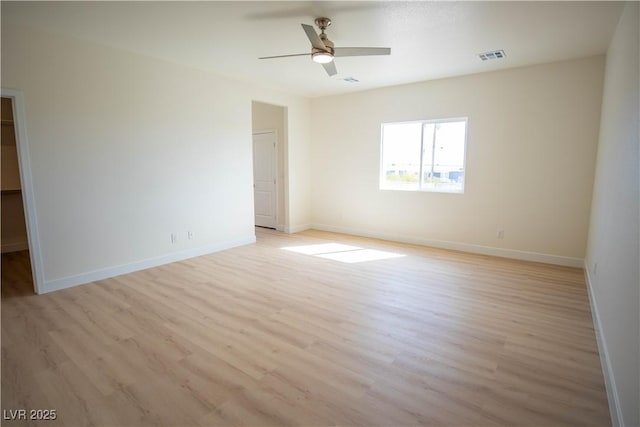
{"type": "Point", "coordinates": [428, 40]}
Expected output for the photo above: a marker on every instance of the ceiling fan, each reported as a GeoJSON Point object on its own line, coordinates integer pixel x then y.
{"type": "Point", "coordinates": [323, 50]}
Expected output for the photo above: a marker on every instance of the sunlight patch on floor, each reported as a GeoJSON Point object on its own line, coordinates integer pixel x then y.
{"type": "Point", "coordinates": [343, 253]}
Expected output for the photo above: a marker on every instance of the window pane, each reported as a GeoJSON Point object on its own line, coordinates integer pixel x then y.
{"type": "Point", "coordinates": [424, 155]}
{"type": "Point", "coordinates": [444, 170]}
{"type": "Point", "coordinates": [401, 156]}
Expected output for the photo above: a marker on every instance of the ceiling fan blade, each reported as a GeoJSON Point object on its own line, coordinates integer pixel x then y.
{"type": "Point", "coordinates": [361, 51]}
{"type": "Point", "coordinates": [285, 56]}
{"type": "Point", "coordinates": [330, 68]}
{"type": "Point", "coordinates": [313, 37]}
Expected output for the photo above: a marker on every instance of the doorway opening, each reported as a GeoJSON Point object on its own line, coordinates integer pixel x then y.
{"type": "Point", "coordinates": [16, 265]}
{"type": "Point", "coordinates": [21, 269]}
{"type": "Point", "coordinates": [269, 147]}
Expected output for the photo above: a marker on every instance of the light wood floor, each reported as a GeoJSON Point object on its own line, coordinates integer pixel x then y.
{"type": "Point", "coordinates": [261, 336]}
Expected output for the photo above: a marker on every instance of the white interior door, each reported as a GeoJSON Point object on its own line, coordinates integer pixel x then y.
{"type": "Point", "coordinates": [264, 178]}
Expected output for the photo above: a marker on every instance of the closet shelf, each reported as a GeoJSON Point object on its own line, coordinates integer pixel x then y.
{"type": "Point", "coordinates": [11, 191]}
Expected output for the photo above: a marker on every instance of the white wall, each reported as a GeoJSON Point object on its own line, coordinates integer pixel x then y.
{"type": "Point", "coordinates": [298, 122]}
{"type": "Point", "coordinates": [614, 242]}
{"type": "Point", "coordinates": [127, 149]}
{"type": "Point", "coordinates": [272, 117]}
{"type": "Point", "coordinates": [532, 135]}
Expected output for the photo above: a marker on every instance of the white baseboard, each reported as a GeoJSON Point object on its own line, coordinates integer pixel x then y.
{"type": "Point", "coordinates": [297, 228]}
{"type": "Point", "coordinates": [81, 279]}
{"type": "Point", "coordinates": [458, 246]}
{"type": "Point", "coordinates": [14, 247]}
{"type": "Point", "coordinates": [615, 410]}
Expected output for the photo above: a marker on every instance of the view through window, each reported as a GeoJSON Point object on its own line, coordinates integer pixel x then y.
{"type": "Point", "coordinates": [427, 155]}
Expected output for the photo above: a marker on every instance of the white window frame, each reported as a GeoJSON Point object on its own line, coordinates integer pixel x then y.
{"type": "Point", "coordinates": [382, 182]}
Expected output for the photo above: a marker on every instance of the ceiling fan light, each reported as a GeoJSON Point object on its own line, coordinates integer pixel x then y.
{"type": "Point", "coordinates": [322, 57]}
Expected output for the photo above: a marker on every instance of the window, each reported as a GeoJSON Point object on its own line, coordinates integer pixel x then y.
{"type": "Point", "coordinates": [427, 155]}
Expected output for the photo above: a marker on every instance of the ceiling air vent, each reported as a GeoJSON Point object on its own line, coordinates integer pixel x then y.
{"type": "Point", "coordinates": [494, 54]}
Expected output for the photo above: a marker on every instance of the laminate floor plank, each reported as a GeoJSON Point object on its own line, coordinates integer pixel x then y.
{"type": "Point", "coordinates": [309, 329]}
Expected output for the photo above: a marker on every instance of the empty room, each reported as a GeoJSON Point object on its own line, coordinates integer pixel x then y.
{"type": "Point", "coordinates": [296, 213]}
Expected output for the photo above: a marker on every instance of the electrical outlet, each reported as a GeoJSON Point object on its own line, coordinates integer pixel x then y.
{"type": "Point", "coordinates": [500, 234]}
{"type": "Point", "coordinates": [174, 237]}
